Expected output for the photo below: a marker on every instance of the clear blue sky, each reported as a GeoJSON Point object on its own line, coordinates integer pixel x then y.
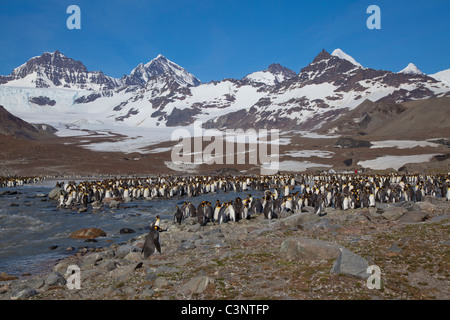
{"type": "Point", "coordinates": [229, 38]}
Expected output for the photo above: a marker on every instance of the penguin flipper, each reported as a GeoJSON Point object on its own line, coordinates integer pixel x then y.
{"type": "Point", "coordinates": [158, 247]}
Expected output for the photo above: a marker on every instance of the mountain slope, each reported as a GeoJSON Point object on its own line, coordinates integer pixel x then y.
{"type": "Point", "coordinates": [274, 74]}
{"type": "Point", "coordinates": [160, 66]}
{"type": "Point", "coordinates": [411, 69]}
{"type": "Point", "coordinates": [11, 125]}
{"type": "Point", "coordinates": [56, 70]}
{"type": "Point", "coordinates": [421, 119]}
{"type": "Point", "coordinates": [163, 94]}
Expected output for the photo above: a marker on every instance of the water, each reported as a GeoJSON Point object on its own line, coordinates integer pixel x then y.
{"type": "Point", "coordinates": [30, 225]}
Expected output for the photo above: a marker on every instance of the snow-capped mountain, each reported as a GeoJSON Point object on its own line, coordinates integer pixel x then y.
{"type": "Point", "coordinates": [443, 76]}
{"type": "Point", "coordinates": [341, 54]}
{"type": "Point", "coordinates": [162, 94]}
{"type": "Point", "coordinates": [52, 70]}
{"type": "Point", "coordinates": [274, 74]}
{"type": "Point", "coordinates": [160, 67]}
{"type": "Point", "coordinates": [411, 69]}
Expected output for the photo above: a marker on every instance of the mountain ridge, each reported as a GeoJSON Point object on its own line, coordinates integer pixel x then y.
{"type": "Point", "coordinates": [160, 93]}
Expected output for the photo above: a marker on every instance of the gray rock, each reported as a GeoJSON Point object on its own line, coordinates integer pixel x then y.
{"type": "Point", "coordinates": [55, 278]}
{"type": "Point", "coordinates": [148, 292]}
{"type": "Point", "coordinates": [186, 246]}
{"type": "Point", "coordinates": [395, 248]}
{"type": "Point", "coordinates": [35, 283]}
{"type": "Point", "coordinates": [122, 273]}
{"type": "Point", "coordinates": [125, 249]}
{"type": "Point", "coordinates": [134, 256]}
{"type": "Point", "coordinates": [23, 294]}
{"type": "Point", "coordinates": [95, 257]}
{"type": "Point", "coordinates": [167, 269]}
{"type": "Point", "coordinates": [113, 204]}
{"type": "Point", "coordinates": [160, 282]}
{"type": "Point", "coordinates": [196, 285]}
{"type": "Point", "coordinates": [109, 265]}
{"type": "Point", "coordinates": [298, 219]}
{"type": "Point", "coordinates": [194, 228]}
{"type": "Point", "coordinates": [40, 195]}
{"type": "Point", "coordinates": [54, 194]}
{"type": "Point", "coordinates": [393, 213]}
{"type": "Point", "coordinates": [427, 207]}
{"type": "Point", "coordinates": [414, 216]}
{"type": "Point", "coordinates": [219, 244]}
{"type": "Point", "coordinates": [308, 249]}
{"type": "Point", "coordinates": [349, 263]}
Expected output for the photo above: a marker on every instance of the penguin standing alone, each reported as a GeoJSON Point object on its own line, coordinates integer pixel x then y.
{"type": "Point", "coordinates": [151, 243]}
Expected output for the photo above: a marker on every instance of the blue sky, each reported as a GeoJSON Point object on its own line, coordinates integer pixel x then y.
{"type": "Point", "coordinates": [226, 39]}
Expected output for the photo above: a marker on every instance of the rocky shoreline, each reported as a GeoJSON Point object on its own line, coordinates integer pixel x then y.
{"type": "Point", "coordinates": [302, 256]}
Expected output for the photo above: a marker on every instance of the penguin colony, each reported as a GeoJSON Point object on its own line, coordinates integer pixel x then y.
{"type": "Point", "coordinates": [9, 182]}
{"type": "Point", "coordinates": [340, 191]}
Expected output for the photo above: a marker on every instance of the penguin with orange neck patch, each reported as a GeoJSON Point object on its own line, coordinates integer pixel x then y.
{"type": "Point", "coordinates": [151, 242]}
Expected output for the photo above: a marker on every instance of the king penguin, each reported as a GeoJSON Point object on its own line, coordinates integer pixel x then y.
{"type": "Point", "coordinates": [151, 243]}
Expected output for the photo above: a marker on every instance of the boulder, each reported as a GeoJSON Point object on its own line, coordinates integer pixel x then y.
{"type": "Point", "coordinates": [427, 207]}
{"type": "Point", "coordinates": [124, 250]}
{"type": "Point", "coordinates": [133, 256]}
{"type": "Point", "coordinates": [126, 230]}
{"type": "Point", "coordinates": [349, 263]}
{"type": "Point", "coordinates": [414, 216]}
{"type": "Point", "coordinates": [308, 249]}
{"type": "Point", "coordinates": [393, 213]}
{"type": "Point", "coordinates": [55, 278]}
{"type": "Point", "coordinates": [5, 277]}
{"type": "Point", "coordinates": [298, 219]}
{"type": "Point", "coordinates": [186, 246]}
{"type": "Point", "coordinates": [88, 233]}
{"type": "Point", "coordinates": [54, 194]}
{"type": "Point", "coordinates": [23, 294]}
{"type": "Point", "coordinates": [196, 285]}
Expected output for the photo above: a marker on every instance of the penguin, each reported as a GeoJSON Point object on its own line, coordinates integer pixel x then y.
{"type": "Point", "coordinates": [222, 216]}
{"type": "Point", "coordinates": [245, 214]}
{"type": "Point", "coordinates": [231, 212]}
{"type": "Point", "coordinates": [337, 201]}
{"type": "Point", "coordinates": [61, 199]}
{"type": "Point", "coordinates": [208, 212]}
{"type": "Point", "coordinates": [418, 195]}
{"type": "Point", "coordinates": [217, 209]}
{"type": "Point", "coordinates": [372, 200]}
{"type": "Point", "coordinates": [257, 207]}
{"type": "Point", "coordinates": [365, 201]}
{"type": "Point", "coordinates": [320, 205]}
{"type": "Point", "coordinates": [151, 243]}
{"type": "Point", "coordinates": [84, 199]}
{"type": "Point", "coordinates": [345, 203]}
{"type": "Point", "coordinates": [178, 216]}
{"type": "Point", "coordinates": [156, 223]}
{"type": "Point", "coordinates": [268, 211]}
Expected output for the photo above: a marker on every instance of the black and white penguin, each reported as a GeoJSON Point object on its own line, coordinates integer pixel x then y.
{"type": "Point", "coordinates": [178, 216]}
{"type": "Point", "coordinates": [268, 209]}
{"type": "Point", "coordinates": [257, 207]}
{"type": "Point", "coordinates": [151, 243]}
{"type": "Point", "coordinates": [319, 208]}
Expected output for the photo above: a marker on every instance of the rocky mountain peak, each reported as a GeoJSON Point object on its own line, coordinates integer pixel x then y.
{"type": "Point", "coordinates": [277, 68]}
{"type": "Point", "coordinates": [411, 69]}
{"type": "Point", "coordinates": [161, 67]}
{"type": "Point", "coordinates": [54, 69]}
{"type": "Point", "coordinates": [47, 61]}
{"type": "Point", "coordinates": [323, 55]}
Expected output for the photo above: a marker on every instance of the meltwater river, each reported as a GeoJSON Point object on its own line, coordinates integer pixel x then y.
{"type": "Point", "coordinates": [31, 227]}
